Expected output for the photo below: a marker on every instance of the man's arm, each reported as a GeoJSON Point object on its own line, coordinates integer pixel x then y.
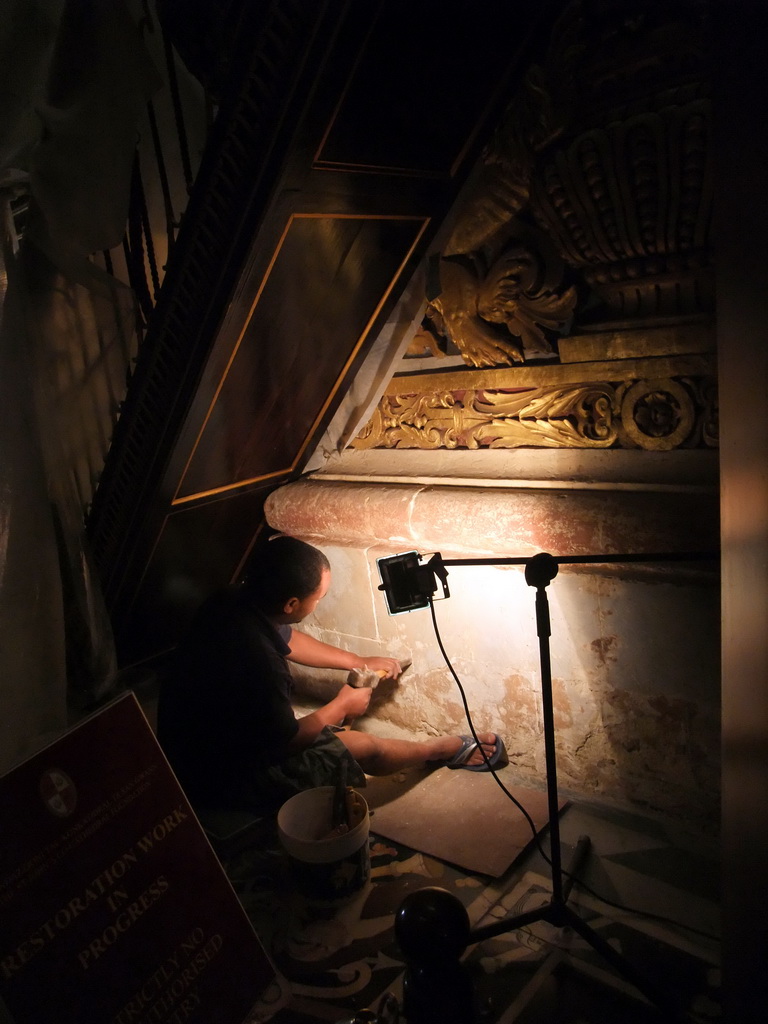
{"type": "Point", "coordinates": [306, 650]}
{"type": "Point", "coordinates": [348, 702]}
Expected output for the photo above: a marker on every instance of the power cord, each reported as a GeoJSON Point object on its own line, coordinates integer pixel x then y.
{"type": "Point", "coordinates": [577, 881]}
{"type": "Point", "coordinates": [468, 714]}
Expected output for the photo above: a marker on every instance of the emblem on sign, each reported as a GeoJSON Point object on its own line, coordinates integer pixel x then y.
{"type": "Point", "coordinates": [58, 792]}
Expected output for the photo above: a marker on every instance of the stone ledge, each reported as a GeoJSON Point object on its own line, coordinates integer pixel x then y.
{"type": "Point", "coordinates": [491, 522]}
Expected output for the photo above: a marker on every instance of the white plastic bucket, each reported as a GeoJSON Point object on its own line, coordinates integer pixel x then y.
{"type": "Point", "coordinates": [326, 868]}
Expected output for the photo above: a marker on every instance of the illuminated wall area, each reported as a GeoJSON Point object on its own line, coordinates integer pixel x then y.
{"type": "Point", "coordinates": [635, 647]}
{"type": "Point", "coordinates": [558, 394]}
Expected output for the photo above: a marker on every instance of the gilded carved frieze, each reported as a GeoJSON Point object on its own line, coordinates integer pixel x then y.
{"type": "Point", "coordinates": [653, 414]}
{"type": "Point", "coordinates": [588, 219]}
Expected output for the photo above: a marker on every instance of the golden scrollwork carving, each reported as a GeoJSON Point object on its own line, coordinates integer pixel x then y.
{"type": "Point", "coordinates": [656, 415]}
{"type": "Point", "coordinates": [582, 249]}
{"type": "Point", "coordinates": [558, 417]}
{"type": "Point", "coordinates": [496, 312]}
{"type": "Point", "coordinates": [604, 157]}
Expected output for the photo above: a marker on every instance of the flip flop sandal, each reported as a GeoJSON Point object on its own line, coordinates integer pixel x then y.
{"type": "Point", "coordinates": [498, 759]}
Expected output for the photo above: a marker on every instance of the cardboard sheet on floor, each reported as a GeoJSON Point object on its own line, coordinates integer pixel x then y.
{"type": "Point", "coordinates": [460, 817]}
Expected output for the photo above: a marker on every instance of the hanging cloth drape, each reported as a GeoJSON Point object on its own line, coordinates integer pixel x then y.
{"type": "Point", "coordinates": [32, 655]}
{"type": "Point", "coordinates": [75, 79]}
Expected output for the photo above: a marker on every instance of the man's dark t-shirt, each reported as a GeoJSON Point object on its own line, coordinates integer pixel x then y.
{"type": "Point", "coordinates": [224, 710]}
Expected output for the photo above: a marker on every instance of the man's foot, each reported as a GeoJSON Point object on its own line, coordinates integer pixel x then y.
{"type": "Point", "coordinates": [463, 752]}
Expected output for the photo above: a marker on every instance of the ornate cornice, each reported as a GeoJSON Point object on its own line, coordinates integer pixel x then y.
{"type": "Point", "coordinates": [577, 277]}
{"type": "Point", "coordinates": [594, 200]}
{"type": "Point", "coordinates": [654, 413]}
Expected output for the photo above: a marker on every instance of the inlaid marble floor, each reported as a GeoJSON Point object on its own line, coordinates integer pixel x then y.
{"type": "Point", "coordinates": [334, 962]}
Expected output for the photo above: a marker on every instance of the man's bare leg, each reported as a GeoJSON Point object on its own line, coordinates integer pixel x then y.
{"type": "Point", "coordinates": [377, 755]}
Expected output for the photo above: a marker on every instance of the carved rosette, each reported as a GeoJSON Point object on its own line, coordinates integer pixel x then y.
{"type": "Point", "coordinates": [655, 415]}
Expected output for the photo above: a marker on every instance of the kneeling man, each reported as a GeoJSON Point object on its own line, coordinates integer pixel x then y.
{"type": "Point", "coordinates": [225, 718]}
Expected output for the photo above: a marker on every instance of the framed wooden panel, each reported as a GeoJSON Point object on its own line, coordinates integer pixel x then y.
{"type": "Point", "coordinates": [324, 287]}
{"type": "Point", "coordinates": [336, 155]}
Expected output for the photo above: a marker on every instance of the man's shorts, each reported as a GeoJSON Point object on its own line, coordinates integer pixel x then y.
{"type": "Point", "coordinates": [317, 765]}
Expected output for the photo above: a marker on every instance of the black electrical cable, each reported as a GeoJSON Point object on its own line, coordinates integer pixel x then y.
{"type": "Point", "coordinates": [498, 781]}
{"type": "Point", "coordinates": [577, 881]}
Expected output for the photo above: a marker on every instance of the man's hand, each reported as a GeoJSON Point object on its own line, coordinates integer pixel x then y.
{"type": "Point", "coordinates": [354, 702]}
{"type": "Point", "coordinates": [348, 703]}
{"type": "Point", "coordinates": [389, 666]}
{"type": "Point", "coordinates": [306, 650]}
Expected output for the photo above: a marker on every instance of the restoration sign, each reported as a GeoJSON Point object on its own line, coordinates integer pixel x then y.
{"type": "Point", "coordinates": [114, 908]}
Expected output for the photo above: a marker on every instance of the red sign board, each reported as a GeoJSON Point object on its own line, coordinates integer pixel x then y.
{"type": "Point", "coordinates": [113, 907]}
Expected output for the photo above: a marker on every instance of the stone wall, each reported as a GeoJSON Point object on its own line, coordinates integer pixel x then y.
{"type": "Point", "coordinates": [634, 646]}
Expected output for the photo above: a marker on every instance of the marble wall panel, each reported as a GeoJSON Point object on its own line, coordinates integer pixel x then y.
{"type": "Point", "coordinates": [635, 659]}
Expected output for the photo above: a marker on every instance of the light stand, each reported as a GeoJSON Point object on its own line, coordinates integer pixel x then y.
{"type": "Point", "coordinates": [407, 585]}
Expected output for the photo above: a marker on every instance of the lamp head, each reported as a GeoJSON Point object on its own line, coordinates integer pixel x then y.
{"type": "Point", "coordinates": [408, 583]}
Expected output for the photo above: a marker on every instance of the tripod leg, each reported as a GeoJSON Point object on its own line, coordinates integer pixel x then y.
{"type": "Point", "coordinates": [579, 856]}
{"type": "Point", "coordinates": [623, 967]}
